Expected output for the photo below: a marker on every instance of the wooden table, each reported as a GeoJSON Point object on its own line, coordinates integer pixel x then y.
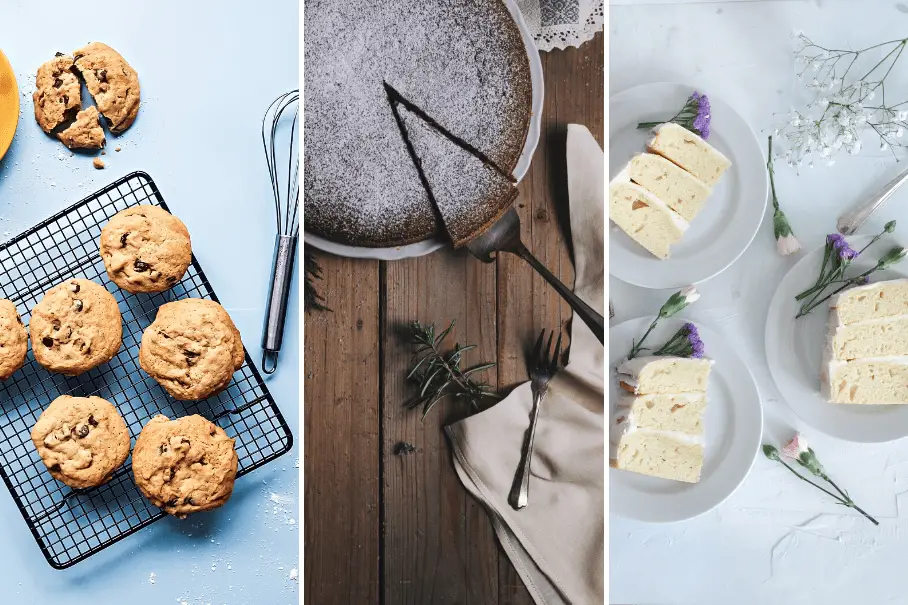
{"type": "Point", "coordinates": [402, 530]}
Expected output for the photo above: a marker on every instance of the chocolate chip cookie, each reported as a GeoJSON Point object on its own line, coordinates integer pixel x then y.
{"type": "Point", "coordinates": [58, 93]}
{"type": "Point", "coordinates": [112, 82]}
{"type": "Point", "coordinates": [13, 339]}
{"type": "Point", "coordinates": [145, 249]}
{"type": "Point", "coordinates": [76, 327]}
{"type": "Point", "coordinates": [184, 465]}
{"type": "Point", "coordinates": [82, 440]}
{"type": "Point", "coordinates": [85, 132]}
{"type": "Point", "coordinates": [192, 348]}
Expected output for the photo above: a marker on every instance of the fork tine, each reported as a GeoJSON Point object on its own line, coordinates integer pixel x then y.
{"type": "Point", "coordinates": [543, 361]}
{"type": "Point", "coordinates": [537, 352]}
{"type": "Point", "coordinates": [557, 356]}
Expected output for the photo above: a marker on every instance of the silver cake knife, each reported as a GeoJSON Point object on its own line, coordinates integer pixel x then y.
{"type": "Point", "coordinates": [849, 222]}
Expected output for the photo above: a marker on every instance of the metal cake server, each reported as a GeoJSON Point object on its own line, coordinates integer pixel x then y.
{"type": "Point", "coordinates": [504, 236]}
{"type": "Point", "coordinates": [851, 221]}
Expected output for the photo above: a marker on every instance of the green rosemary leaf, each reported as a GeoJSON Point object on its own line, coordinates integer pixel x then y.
{"type": "Point", "coordinates": [312, 300]}
{"type": "Point", "coordinates": [437, 374]}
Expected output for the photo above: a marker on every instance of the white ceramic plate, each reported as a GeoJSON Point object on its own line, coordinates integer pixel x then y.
{"type": "Point", "coordinates": [794, 351]}
{"type": "Point", "coordinates": [523, 165]}
{"type": "Point", "coordinates": [733, 426]}
{"type": "Point", "coordinates": [726, 226]}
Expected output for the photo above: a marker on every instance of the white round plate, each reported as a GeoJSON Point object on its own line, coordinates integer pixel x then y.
{"type": "Point", "coordinates": [794, 351]}
{"type": "Point", "coordinates": [732, 425]}
{"type": "Point", "coordinates": [729, 220]}
{"type": "Point", "coordinates": [523, 165]}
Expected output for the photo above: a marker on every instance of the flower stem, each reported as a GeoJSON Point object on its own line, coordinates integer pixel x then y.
{"type": "Point", "coordinates": [638, 345]}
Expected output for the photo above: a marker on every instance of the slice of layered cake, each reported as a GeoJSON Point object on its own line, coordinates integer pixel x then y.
{"type": "Point", "coordinates": [644, 217]}
{"type": "Point", "coordinates": [865, 359]}
{"type": "Point", "coordinates": [657, 429]}
{"type": "Point", "coordinates": [680, 190]}
{"type": "Point", "coordinates": [689, 151]}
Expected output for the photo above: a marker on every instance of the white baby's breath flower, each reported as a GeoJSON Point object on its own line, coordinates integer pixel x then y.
{"type": "Point", "coordinates": [902, 116]}
{"type": "Point", "coordinates": [884, 146]}
{"type": "Point", "coordinates": [899, 132]}
{"type": "Point", "coordinates": [830, 163]}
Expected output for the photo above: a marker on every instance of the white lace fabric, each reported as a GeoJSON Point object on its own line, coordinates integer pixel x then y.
{"type": "Point", "coordinates": [562, 23]}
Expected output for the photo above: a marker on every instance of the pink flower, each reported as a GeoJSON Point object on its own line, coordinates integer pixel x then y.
{"type": "Point", "coordinates": [797, 446]}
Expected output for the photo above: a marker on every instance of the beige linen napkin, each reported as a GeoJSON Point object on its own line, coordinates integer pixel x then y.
{"type": "Point", "coordinates": [557, 541]}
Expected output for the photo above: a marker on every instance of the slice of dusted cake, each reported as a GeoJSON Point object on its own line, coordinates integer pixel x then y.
{"type": "Point", "coordinates": [644, 217]}
{"type": "Point", "coordinates": [663, 374]}
{"type": "Point", "coordinates": [680, 190]}
{"type": "Point", "coordinates": [689, 151]}
{"type": "Point", "coordinates": [659, 432]}
{"type": "Point", "coordinates": [865, 360]}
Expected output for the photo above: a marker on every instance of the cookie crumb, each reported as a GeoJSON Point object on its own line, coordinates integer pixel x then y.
{"type": "Point", "coordinates": [98, 163]}
{"type": "Point", "coordinates": [294, 574]}
{"type": "Point", "coordinates": [117, 148]}
{"type": "Point", "coordinates": [103, 152]}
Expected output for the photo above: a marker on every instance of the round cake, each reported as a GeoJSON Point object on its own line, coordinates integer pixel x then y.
{"type": "Point", "coordinates": [462, 62]}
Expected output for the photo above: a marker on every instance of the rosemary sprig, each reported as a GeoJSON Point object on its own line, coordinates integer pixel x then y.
{"type": "Point", "coordinates": [438, 375]}
{"type": "Point", "coordinates": [312, 300]}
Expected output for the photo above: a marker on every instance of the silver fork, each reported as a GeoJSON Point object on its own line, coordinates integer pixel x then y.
{"type": "Point", "coordinates": [543, 365]}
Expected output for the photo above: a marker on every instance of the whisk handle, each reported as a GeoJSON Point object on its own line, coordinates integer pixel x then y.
{"type": "Point", "coordinates": [276, 311]}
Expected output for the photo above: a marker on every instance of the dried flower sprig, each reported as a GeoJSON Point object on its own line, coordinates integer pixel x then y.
{"type": "Point", "coordinates": [837, 258]}
{"type": "Point", "coordinates": [786, 242]}
{"type": "Point", "coordinates": [312, 300]}
{"type": "Point", "coordinates": [675, 303]}
{"type": "Point", "coordinates": [842, 108]}
{"type": "Point", "coordinates": [695, 116]}
{"type": "Point", "coordinates": [439, 375]}
{"type": "Point", "coordinates": [799, 451]}
{"type": "Point", "coordinates": [685, 343]}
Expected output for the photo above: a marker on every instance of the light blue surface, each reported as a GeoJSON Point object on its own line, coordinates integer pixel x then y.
{"type": "Point", "coordinates": [208, 70]}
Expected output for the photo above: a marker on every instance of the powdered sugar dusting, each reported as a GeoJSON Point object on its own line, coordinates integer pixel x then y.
{"type": "Point", "coordinates": [462, 61]}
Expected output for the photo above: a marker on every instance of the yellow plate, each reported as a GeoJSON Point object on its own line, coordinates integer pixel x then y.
{"type": "Point", "coordinates": [9, 104]}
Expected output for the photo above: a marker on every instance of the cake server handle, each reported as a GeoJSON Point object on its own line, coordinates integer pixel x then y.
{"type": "Point", "coordinates": [276, 310]}
{"type": "Point", "coordinates": [851, 221]}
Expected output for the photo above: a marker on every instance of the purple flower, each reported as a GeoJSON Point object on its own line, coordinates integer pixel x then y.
{"type": "Point", "coordinates": [841, 246]}
{"type": "Point", "coordinates": [701, 120]}
{"type": "Point", "coordinates": [693, 340]}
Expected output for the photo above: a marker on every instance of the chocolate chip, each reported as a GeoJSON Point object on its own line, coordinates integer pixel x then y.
{"type": "Point", "coordinates": [189, 501]}
{"type": "Point", "coordinates": [83, 431]}
{"type": "Point", "coordinates": [75, 287]}
{"type": "Point", "coordinates": [162, 449]}
{"type": "Point", "coordinates": [19, 319]}
{"type": "Point", "coordinates": [172, 501]}
{"type": "Point", "coordinates": [58, 82]}
{"type": "Point", "coordinates": [47, 341]}
{"type": "Point", "coordinates": [171, 279]}
{"type": "Point", "coordinates": [140, 266]}
{"type": "Point", "coordinates": [91, 420]}
{"type": "Point", "coordinates": [56, 324]}
{"type": "Point", "coordinates": [58, 54]}
{"type": "Point", "coordinates": [123, 240]}
{"type": "Point", "coordinates": [184, 440]}
{"type": "Point", "coordinates": [102, 75]}
{"type": "Point", "coordinates": [77, 305]}
{"type": "Point", "coordinates": [189, 353]}
{"type": "Point", "coordinates": [66, 99]}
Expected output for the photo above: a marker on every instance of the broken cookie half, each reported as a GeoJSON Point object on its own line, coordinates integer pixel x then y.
{"type": "Point", "coordinates": [112, 83]}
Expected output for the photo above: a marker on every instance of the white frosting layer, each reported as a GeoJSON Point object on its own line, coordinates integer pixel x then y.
{"type": "Point", "coordinates": [623, 424]}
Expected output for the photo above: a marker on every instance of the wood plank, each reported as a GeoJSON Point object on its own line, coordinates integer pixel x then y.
{"type": "Point", "coordinates": [574, 94]}
{"type": "Point", "coordinates": [341, 467]}
{"type": "Point", "coordinates": [438, 544]}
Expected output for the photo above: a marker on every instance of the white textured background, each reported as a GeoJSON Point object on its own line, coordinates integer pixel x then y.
{"type": "Point", "coordinates": [776, 539]}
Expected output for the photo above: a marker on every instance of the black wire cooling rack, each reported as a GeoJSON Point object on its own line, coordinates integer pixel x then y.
{"type": "Point", "coordinates": [71, 525]}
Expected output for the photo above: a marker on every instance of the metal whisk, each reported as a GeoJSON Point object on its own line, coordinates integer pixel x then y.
{"type": "Point", "coordinates": [275, 134]}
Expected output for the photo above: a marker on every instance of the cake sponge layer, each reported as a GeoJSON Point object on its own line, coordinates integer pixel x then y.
{"type": "Point", "coordinates": [873, 301]}
{"type": "Point", "coordinates": [689, 151]}
{"type": "Point", "coordinates": [659, 455]}
{"type": "Point", "coordinates": [645, 218]}
{"type": "Point", "coordinates": [681, 412]}
{"type": "Point", "coordinates": [664, 374]}
{"type": "Point", "coordinates": [873, 338]}
{"type": "Point", "coordinates": [867, 382]}
{"type": "Point", "coordinates": [680, 190]}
